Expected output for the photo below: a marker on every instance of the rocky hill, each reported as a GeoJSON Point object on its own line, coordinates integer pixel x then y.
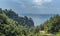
{"type": "Point", "coordinates": [21, 20]}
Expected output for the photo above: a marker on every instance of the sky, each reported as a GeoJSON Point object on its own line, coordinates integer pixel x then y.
{"type": "Point", "coordinates": [32, 6]}
{"type": "Point", "coordinates": [35, 7]}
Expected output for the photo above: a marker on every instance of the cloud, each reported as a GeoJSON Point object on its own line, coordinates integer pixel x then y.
{"type": "Point", "coordinates": [20, 3]}
{"type": "Point", "coordinates": [17, 1]}
{"type": "Point", "coordinates": [40, 2]}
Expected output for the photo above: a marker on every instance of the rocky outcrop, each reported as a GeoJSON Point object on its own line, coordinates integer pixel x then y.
{"type": "Point", "coordinates": [21, 20]}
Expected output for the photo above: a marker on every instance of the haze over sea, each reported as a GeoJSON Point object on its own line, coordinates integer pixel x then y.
{"type": "Point", "coordinates": [39, 18]}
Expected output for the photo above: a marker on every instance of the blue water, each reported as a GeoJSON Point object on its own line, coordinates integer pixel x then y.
{"type": "Point", "coordinates": [39, 18]}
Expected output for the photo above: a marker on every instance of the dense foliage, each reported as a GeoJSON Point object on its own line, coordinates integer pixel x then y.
{"type": "Point", "coordinates": [10, 26]}
{"type": "Point", "coordinates": [21, 20]}
{"type": "Point", "coordinates": [50, 27]}
{"type": "Point", "coordinates": [53, 24]}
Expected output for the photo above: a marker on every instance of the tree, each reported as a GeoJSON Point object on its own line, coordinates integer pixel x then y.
{"type": "Point", "coordinates": [53, 24]}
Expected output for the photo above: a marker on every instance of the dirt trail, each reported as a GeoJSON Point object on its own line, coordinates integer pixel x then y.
{"type": "Point", "coordinates": [43, 34]}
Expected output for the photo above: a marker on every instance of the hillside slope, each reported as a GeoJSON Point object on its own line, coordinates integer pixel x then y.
{"type": "Point", "coordinates": [21, 20]}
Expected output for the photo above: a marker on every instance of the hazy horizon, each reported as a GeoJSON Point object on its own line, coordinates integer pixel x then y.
{"type": "Point", "coordinates": [39, 18]}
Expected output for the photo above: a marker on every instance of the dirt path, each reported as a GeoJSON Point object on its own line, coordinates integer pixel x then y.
{"type": "Point", "coordinates": [43, 34]}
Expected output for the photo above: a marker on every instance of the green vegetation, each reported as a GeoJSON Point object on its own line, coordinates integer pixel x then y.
{"type": "Point", "coordinates": [58, 34]}
{"type": "Point", "coordinates": [21, 20]}
{"type": "Point", "coordinates": [52, 25]}
{"type": "Point", "coordinates": [13, 25]}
